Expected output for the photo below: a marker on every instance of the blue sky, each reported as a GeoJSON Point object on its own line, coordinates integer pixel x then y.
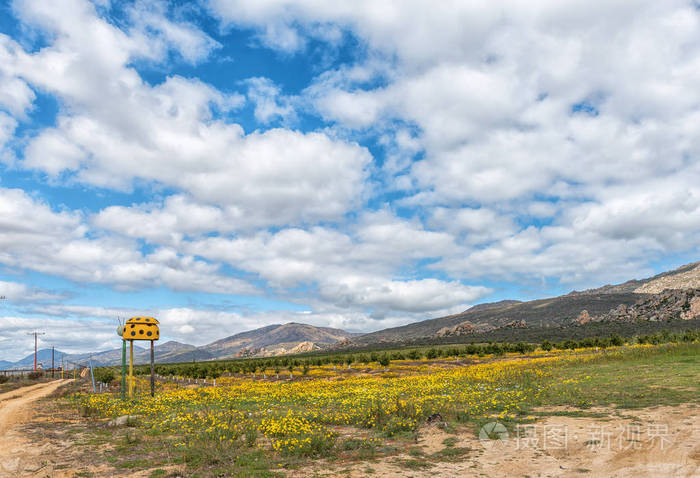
{"type": "Point", "coordinates": [228, 164]}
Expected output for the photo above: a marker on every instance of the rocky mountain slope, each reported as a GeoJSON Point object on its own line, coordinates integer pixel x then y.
{"type": "Point", "coordinates": [684, 277]}
{"type": "Point", "coordinates": [665, 306]}
{"type": "Point", "coordinates": [275, 340]}
{"type": "Point", "coordinates": [551, 312]}
{"type": "Point", "coordinates": [666, 296]}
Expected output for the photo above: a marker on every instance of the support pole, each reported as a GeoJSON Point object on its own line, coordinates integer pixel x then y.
{"type": "Point", "coordinates": [62, 367]}
{"type": "Point", "coordinates": [123, 369]}
{"type": "Point", "coordinates": [131, 368]}
{"type": "Point", "coordinates": [53, 353]}
{"type": "Point", "coordinates": [153, 385]}
{"type": "Point", "coordinates": [92, 375]}
{"type": "Point", "coordinates": [35, 334]}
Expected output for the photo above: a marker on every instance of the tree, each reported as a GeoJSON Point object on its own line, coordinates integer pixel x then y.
{"type": "Point", "coordinates": [384, 361]}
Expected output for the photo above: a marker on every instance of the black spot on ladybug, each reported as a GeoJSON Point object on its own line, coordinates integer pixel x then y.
{"type": "Point", "coordinates": [141, 331]}
{"type": "Point", "coordinates": [149, 333]}
{"type": "Point", "coordinates": [133, 333]}
{"type": "Point", "coordinates": [132, 326]}
{"type": "Point", "coordinates": [148, 320]}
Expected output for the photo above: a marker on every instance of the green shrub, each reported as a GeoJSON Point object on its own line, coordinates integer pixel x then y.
{"type": "Point", "coordinates": [104, 375]}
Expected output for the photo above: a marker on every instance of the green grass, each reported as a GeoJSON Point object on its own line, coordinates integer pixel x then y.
{"type": "Point", "coordinates": [451, 454]}
{"type": "Point", "coordinates": [413, 464]}
{"type": "Point", "coordinates": [638, 378]}
{"type": "Point", "coordinates": [449, 442]}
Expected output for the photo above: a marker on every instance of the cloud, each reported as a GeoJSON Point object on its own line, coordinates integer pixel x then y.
{"type": "Point", "coordinates": [355, 270]}
{"type": "Point", "coordinates": [150, 18]}
{"type": "Point", "coordinates": [33, 237]}
{"type": "Point", "coordinates": [450, 146]}
{"type": "Point", "coordinates": [268, 100]}
{"type": "Point", "coordinates": [167, 223]}
{"type": "Point", "coordinates": [18, 292]}
{"type": "Point", "coordinates": [117, 129]}
{"type": "Point", "coordinates": [67, 335]}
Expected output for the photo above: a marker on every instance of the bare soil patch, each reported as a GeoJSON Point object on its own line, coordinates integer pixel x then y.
{"type": "Point", "coordinates": [650, 442]}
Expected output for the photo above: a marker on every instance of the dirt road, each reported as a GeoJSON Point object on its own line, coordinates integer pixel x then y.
{"type": "Point", "coordinates": [15, 409]}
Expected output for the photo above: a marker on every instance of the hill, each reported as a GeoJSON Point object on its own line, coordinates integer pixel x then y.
{"type": "Point", "coordinates": [633, 300]}
{"type": "Point", "coordinates": [684, 277]}
{"type": "Point", "coordinates": [552, 312]}
{"type": "Point", "coordinates": [270, 340]}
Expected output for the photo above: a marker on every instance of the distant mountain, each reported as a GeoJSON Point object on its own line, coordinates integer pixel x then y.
{"type": "Point", "coordinates": [106, 357]}
{"type": "Point", "coordinates": [43, 357]}
{"type": "Point", "coordinates": [270, 340]}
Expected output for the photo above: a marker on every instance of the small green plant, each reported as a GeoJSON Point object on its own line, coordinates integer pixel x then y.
{"type": "Point", "coordinates": [449, 441]}
{"type": "Point", "coordinates": [131, 437]}
{"type": "Point", "coordinates": [350, 444]}
{"type": "Point", "coordinates": [251, 436]}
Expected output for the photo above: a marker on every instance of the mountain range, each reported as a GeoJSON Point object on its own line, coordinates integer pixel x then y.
{"type": "Point", "coordinates": [661, 298]}
{"type": "Point", "coordinates": [277, 339]}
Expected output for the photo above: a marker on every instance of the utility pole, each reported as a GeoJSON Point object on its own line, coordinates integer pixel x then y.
{"type": "Point", "coordinates": [53, 351]}
{"type": "Point", "coordinates": [35, 334]}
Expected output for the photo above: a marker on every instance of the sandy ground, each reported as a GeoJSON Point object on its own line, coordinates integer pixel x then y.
{"type": "Point", "coordinates": [18, 457]}
{"type": "Point", "coordinates": [24, 453]}
{"type": "Point", "coordinates": [654, 442]}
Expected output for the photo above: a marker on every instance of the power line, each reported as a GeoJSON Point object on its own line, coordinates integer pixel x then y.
{"type": "Point", "coordinates": [35, 334]}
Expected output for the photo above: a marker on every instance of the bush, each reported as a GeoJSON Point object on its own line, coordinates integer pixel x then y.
{"type": "Point", "coordinates": [104, 375]}
{"type": "Point", "coordinates": [4, 378]}
{"type": "Point", "coordinates": [384, 360]}
{"type": "Point", "coordinates": [35, 375]}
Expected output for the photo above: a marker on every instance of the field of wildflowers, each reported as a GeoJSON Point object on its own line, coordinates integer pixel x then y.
{"type": "Point", "coordinates": [314, 414]}
{"type": "Point", "coordinates": [300, 416]}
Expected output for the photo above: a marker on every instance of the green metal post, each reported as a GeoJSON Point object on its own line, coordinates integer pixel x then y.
{"type": "Point", "coordinates": [123, 369]}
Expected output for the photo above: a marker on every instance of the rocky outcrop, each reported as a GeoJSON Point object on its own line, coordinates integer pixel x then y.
{"type": "Point", "coordinates": [515, 324]}
{"type": "Point", "coordinates": [246, 352]}
{"type": "Point", "coordinates": [303, 347]}
{"type": "Point", "coordinates": [692, 311]}
{"type": "Point", "coordinates": [584, 317]}
{"type": "Point", "coordinates": [467, 328]}
{"type": "Point", "coordinates": [671, 304]}
{"type": "Point", "coordinates": [687, 277]}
